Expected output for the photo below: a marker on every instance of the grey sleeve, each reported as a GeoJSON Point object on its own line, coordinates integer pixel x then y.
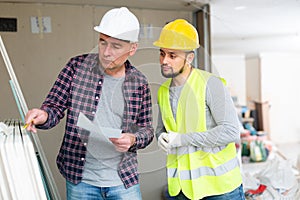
{"type": "Point", "coordinates": [221, 117]}
{"type": "Point", "coordinates": [160, 128]}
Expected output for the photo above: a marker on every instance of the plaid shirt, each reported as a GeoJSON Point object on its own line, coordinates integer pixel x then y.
{"type": "Point", "coordinates": [78, 89]}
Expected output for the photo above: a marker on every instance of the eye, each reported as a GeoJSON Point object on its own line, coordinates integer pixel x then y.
{"type": "Point", "coordinates": [116, 46]}
{"type": "Point", "coordinates": [173, 56]}
{"type": "Point", "coordinates": [102, 42]}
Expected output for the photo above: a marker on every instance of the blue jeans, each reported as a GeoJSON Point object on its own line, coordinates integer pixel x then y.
{"type": "Point", "coordinates": [237, 194]}
{"type": "Point", "coordinates": [83, 191]}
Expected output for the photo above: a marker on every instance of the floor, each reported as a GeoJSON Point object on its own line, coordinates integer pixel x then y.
{"type": "Point", "coordinates": [281, 168]}
{"type": "Point", "coordinates": [291, 151]}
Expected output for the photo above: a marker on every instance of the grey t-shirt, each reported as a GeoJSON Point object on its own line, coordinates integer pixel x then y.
{"type": "Point", "coordinates": [221, 117]}
{"type": "Point", "coordinates": [102, 159]}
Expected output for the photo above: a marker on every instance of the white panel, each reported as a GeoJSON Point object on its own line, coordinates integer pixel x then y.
{"type": "Point", "coordinates": [40, 24]}
{"type": "Point", "coordinates": [20, 175]}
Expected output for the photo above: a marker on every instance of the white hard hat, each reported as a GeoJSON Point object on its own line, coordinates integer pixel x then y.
{"type": "Point", "coordinates": [120, 23]}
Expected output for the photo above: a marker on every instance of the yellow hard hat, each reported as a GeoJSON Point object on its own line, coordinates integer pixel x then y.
{"type": "Point", "coordinates": [178, 34]}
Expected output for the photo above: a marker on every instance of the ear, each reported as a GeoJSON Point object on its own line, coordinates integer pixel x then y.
{"type": "Point", "coordinates": [133, 49]}
{"type": "Point", "coordinates": [190, 57]}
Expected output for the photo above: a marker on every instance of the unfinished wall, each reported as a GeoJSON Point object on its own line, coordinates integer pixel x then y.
{"type": "Point", "coordinates": [37, 59]}
{"type": "Point", "coordinates": [253, 78]}
{"type": "Point", "coordinates": [279, 85]}
{"type": "Point", "coordinates": [233, 69]}
{"type": "Point", "coordinates": [273, 78]}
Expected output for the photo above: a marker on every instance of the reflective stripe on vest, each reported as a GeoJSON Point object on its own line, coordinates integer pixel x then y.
{"type": "Point", "coordinates": [198, 172]}
{"type": "Point", "coordinates": [204, 171]}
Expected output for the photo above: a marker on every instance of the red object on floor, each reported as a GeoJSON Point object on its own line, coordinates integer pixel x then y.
{"type": "Point", "coordinates": [259, 190]}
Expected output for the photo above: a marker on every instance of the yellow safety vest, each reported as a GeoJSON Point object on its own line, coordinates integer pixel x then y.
{"type": "Point", "coordinates": [197, 171]}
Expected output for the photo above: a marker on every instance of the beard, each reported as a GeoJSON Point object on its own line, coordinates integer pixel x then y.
{"type": "Point", "coordinates": [172, 74]}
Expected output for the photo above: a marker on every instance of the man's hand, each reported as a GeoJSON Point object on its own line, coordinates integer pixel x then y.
{"type": "Point", "coordinates": [35, 117]}
{"type": "Point", "coordinates": [163, 141]}
{"type": "Point", "coordinates": [123, 143]}
{"type": "Point", "coordinates": [174, 139]}
{"type": "Point", "coordinates": [169, 140]}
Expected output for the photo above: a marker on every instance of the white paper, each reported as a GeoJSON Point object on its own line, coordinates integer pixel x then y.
{"type": "Point", "coordinates": [111, 132]}
{"type": "Point", "coordinates": [85, 123]}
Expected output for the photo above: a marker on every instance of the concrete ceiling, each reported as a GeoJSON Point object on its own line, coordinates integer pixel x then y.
{"type": "Point", "coordinates": [255, 26]}
{"type": "Point", "coordinates": [237, 26]}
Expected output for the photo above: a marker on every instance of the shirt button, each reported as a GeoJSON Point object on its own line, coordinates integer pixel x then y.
{"type": "Point", "coordinates": [82, 159]}
{"type": "Point", "coordinates": [97, 97]}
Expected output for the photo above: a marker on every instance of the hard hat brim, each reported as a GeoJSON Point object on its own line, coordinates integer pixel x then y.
{"type": "Point", "coordinates": [121, 36]}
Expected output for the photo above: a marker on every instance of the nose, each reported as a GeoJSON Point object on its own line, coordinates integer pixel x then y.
{"type": "Point", "coordinates": [164, 60]}
{"type": "Point", "coordinates": [107, 51]}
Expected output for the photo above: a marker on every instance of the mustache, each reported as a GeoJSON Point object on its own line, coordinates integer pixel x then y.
{"type": "Point", "coordinates": [164, 65]}
{"type": "Point", "coordinates": [171, 68]}
{"type": "Point", "coordinates": [172, 74]}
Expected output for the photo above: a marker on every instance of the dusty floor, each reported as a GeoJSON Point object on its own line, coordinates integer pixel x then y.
{"type": "Point", "coordinates": [284, 153]}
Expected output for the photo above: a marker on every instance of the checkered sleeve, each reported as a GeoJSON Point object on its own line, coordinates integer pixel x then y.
{"type": "Point", "coordinates": [57, 99]}
{"type": "Point", "coordinates": [144, 134]}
